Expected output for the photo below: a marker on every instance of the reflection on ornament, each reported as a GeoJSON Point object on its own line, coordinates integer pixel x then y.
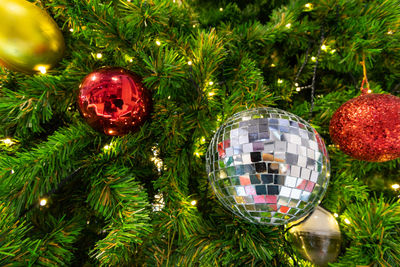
{"type": "Point", "coordinates": [318, 238]}
{"type": "Point", "coordinates": [268, 166]}
{"type": "Point", "coordinates": [30, 40]}
{"type": "Point", "coordinates": [368, 127]}
{"type": "Point", "coordinates": [113, 101]}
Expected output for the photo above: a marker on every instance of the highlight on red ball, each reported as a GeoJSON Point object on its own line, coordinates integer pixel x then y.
{"type": "Point", "coordinates": [114, 101]}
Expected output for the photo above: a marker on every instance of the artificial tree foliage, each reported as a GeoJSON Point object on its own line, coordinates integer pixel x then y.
{"type": "Point", "coordinates": [144, 199]}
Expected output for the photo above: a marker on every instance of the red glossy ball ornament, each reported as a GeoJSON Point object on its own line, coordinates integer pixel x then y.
{"type": "Point", "coordinates": [114, 101]}
{"type": "Point", "coordinates": [368, 127]}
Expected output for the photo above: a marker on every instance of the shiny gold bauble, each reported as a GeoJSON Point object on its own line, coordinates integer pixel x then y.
{"type": "Point", "coordinates": [30, 40]}
{"type": "Point", "coordinates": [318, 238]}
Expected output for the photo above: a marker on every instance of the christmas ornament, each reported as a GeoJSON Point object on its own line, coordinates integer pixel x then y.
{"type": "Point", "coordinates": [318, 238]}
{"type": "Point", "coordinates": [113, 101]}
{"type": "Point", "coordinates": [29, 38]}
{"type": "Point", "coordinates": [268, 166]}
{"type": "Point", "coordinates": [368, 127]}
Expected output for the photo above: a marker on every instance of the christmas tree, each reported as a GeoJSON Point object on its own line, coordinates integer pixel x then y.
{"type": "Point", "coordinates": [73, 196]}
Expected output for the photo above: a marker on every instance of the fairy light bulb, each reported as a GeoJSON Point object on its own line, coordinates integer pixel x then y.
{"type": "Point", "coordinates": [395, 186]}
{"type": "Point", "coordinates": [347, 221]}
{"type": "Point", "coordinates": [42, 69]}
{"type": "Point", "coordinates": [189, 62]}
{"type": "Point", "coordinates": [158, 42]}
{"type": "Point", "coordinates": [193, 202]}
{"type": "Point", "coordinates": [336, 215]}
{"type": "Point", "coordinates": [43, 202]}
{"type": "Point", "coordinates": [288, 25]}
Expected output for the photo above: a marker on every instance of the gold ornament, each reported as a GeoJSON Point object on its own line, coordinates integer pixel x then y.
{"type": "Point", "coordinates": [318, 238]}
{"type": "Point", "coordinates": [30, 40]}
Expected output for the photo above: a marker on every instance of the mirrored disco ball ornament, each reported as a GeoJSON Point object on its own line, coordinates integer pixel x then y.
{"type": "Point", "coordinates": [268, 166]}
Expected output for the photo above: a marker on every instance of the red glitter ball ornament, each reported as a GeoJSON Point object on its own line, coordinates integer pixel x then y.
{"type": "Point", "coordinates": [368, 127]}
{"type": "Point", "coordinates": [113, 101]}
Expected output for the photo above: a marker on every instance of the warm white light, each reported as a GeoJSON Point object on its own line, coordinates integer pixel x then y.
{"type": "Point", "coordinates": [221, 9]}
{"type": "Point", "coordinates": [333, 51]}
{"type": "Point", "coordinates": [99, 55]}
{"type": "Point", "coordinates": [210, 82]}
{"type": "Point", "coordinates": [211, 94]}
{"type": "Point", "coordinates": [395, 186]}
{"type": "Point", "coordinates": [308, 5]}
{"type": "Point", "coordinates": [194, 25]}
{"type": "Point", "coordinates": [7, 141]}
{"type": "Point", "coordinates": [203, 139]}
{"type": "Point", "coordinates": [130, 60]}
{"type": "Point", "coordinates": [347, 221]}
{"type": "Point", "coordinates": [369, 91]}
{"type": "Point", "coordinates": [193, 202]}
{"type": "Point", "coordinates": [197, 154]}
{"type": "Point", "coordinates": [158, 42]}
{"type": "Point", "coordinates": [390, 32]}
{"type": "Point", "coordinates": [190, 62]}
{"type": "Point", "coordinates": [296, 84]}
{"type": "Point", "coordinates": [298, 89]}
{"type": "Point", "coordinates": [169, 97]}
{"type": "Point", "coordinates": [324, 47]}
{"type": "Point", "coordinates": [107, 147]}
{"type": "Point", "coordinates": [336, 215]}
{"type": "Point", "coordinates": [313, 58]}
{"type": "Point", "coordinates": [43, 202]}
{"type": "Point", "coordinates": [280, 81]}
{"type": "Point", "coordinates": [71, 30]}
{"type": "Point", "coordinates": [12, 171]}
{"type": "Point", "coordinates": [42, 69]}
{"type": "Point", "coordinates": [273, 65]}
{"type": "Point", "coordinates": [288, 25]}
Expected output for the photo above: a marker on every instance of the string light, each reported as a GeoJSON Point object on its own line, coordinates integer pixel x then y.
{"type": "Point", "coordinates": [280, 81]}
{"type": "Point", "coordinates": [369, 91]}
{"type": "Point", "coordinates": [390, 32]}
{"type": "Point", "coordinates": [221, 9]}
{"type": "Point", "coordinates": [99, 55]}
{"type": "Point", "coordinates": [210, 82]}
{"type": "Point", "coordinates": [298, 89]}
{"type": "Point", "coordinates": [211, 94]}
{"type": "Point", "coordinates": [203, 139]}
{"type": "Point", "coordinates": [12, 171]}
{"type": "Point", "coordinates": [169, 97]}
{"type": "Point", "coordinates": [333, 51]}
{"type": "Point", "coordinates": [8, 141]}
{"type": "Point", "coordinates": [308, 5]}
{"type": "Point", "coordinates": [108, 147]}
{"type": "Point", "coordinates": [288, 25]}
{"type": "Point", "coordinates": [395, 186]}
{"type": "Point", "coordinates": [347, 221]}
{"type": "Point", "coordinates": [324, 47]}
{"type": "Point", "coordinates": [296, 84]}
{"type": "Point", "coordinates": [131, 60]}
{"type": "Point", "coordinates": [71, 30]}
{"type": "Point", "coordinates": [158, 42]}
{"type": "Point", "coordinates": [197, 154]}
{"type": "Point", "coordinates": [193, 202]}
{"type": "Point", "coordinates": [42, 69]}
{"type": "Point", "coordinates": [314, 59]}
{"type": "Point", "coordinates": [194, 25]}
{"type": "Point", "coordinates": [273, 65]}
{"type": "Point", "coordinates": [159, 203]}
{"type": "Point", "coordinates": [336, 215]}
{"type": "Point", "coordinates": [190, 63]}
{"type": "Point", "coordinates": [43, 202]}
